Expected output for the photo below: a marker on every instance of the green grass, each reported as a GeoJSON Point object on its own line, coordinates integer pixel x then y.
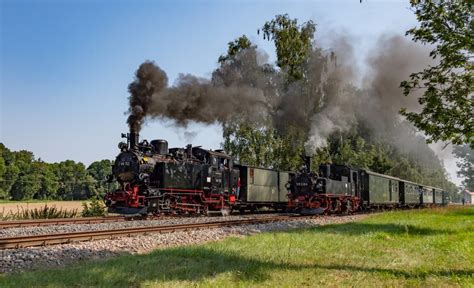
{"type": "Point", "coordinates": [429, 248]}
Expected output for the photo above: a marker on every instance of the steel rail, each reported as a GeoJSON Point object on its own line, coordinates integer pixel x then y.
{"type": "Point", "coordinates": [58, 221]}
{"type": "Point", "coordinates": [51, 239]}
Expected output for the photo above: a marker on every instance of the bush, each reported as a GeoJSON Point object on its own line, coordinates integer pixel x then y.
{"type": "Point", "coordinates": [95, 209]}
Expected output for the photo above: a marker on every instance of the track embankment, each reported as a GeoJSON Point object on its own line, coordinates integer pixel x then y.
{"type": "Point", "coordinates": [39, 257]}
{"type": "Point", "coordinates": [61, 238]}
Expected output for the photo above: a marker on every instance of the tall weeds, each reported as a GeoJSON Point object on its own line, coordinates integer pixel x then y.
{"type": "Point", "coordinates": [45, 212]}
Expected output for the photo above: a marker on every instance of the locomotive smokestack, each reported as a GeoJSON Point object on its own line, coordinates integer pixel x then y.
{"type": "Point", "coordinates": [134, 137]}
{"type": "Point", "coordinates": [307, 163]}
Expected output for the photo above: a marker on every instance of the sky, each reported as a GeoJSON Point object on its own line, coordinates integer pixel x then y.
{"type": "Point", "coordinates": [65, 65]}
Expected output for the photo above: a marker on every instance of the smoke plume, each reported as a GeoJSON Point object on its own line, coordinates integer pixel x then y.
{"type": "Point", "coordinates": [336, 109]}
{"type": "Point", "coordinates": [326, 100]}
{"type": "Point", "coordinates": [150, 79]}
{"type": "Point", "coordinates": [234, 90]}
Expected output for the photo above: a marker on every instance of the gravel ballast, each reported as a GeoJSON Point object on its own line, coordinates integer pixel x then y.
{"type": "Point", "coordinates": [68, 228]}
{"type": "Point", "coordinates": [17, 260]}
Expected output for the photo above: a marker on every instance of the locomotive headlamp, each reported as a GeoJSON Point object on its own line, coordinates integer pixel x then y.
{"type": "Point", "coordinates": [122, 146]}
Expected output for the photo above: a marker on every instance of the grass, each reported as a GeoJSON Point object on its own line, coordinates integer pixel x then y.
{"type": "Point", "coordinates": [409, 248]}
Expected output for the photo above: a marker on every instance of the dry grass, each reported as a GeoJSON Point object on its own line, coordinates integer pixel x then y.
{"type": "Point", "coordinates": [14, 207]}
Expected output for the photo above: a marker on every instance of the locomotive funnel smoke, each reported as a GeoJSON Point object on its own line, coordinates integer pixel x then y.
{"type": "Point", "coordinates": [149, 79]}
{"type": "Point", "coordinates": [337, 96]}
{"type": "Point", "coordinates": [197, 99]}
{"type": "Point", "coordinates": [192, 98]}
{"type": "Point", "coordinates": [246, 88]}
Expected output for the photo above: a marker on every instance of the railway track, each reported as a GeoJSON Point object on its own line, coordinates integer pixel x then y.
{"type": "Point", "coordinates": [52, 239]}
{"type": "Point", "coordinates": [58, 221]}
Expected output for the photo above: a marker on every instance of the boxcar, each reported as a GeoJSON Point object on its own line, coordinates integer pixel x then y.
{"type": "Point", "coordinates": [260, 187]}
{"type": "Point", "coordinates": [378, 189]}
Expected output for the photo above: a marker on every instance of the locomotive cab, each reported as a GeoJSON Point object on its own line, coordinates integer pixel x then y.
{"type": "Point", "coordinates": [336, 179]}
{"type": "Point", "coordinates": [332, 190]}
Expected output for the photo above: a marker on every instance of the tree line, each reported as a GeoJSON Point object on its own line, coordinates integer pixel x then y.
{"type": "Point", "coordinates": [23, 177]}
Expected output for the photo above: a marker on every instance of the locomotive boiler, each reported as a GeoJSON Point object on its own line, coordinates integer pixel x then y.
{"type": "Point", "coordinates": [155, 179]}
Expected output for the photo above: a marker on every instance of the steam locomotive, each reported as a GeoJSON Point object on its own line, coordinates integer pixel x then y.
{"type": "Point", "coordinates": [154, 179]}
{"type": "Point", "coordinates": [332, 190]}
{"type": "Point", "coordinates": [338, 189]}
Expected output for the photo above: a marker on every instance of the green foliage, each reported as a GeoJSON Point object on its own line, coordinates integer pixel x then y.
{"type": "Point", "coordinates": [448, 103]}
{"type": "Point", "coordinates": [352, 151]}
{"type": "Point", "coordinates": [262, 146]}
{"type": "Point", "coordinates": [99, 170]}
{"type": "Point", "coordinates": [465, 164]}
{"type": "Point", "coordinates": [95, 208]}
{"type": "Point", "coordinates": [22, 177]}
{"type": "Point", "coordinates": [44, 212]}
{"type": "Point", "coordinates": [292, 42]}
{"type": "Point", "coordinates": [235, 47]}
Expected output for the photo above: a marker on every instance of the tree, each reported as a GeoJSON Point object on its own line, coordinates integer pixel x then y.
{"type": "Point", "coordinates": [447, 102]}
{"type": "Point", "coordinates": [292, 42]}
{"type": "Point", "coordinates": [234, 47]}
{"type": "Point", "coordinates": [74, 183]}
{"type": "Point", "coordinates": [3, 168]}
{"type": "Point", "coordinates": [99, 170]}
{"type": "Point", "coordinates": [28, 183]}
{"type": "Point", "coordinates": [261, 143]}
{"type": "Point", "coordinates": [466, 165]}
{"type": "Point", "coordinates": [49, 183]}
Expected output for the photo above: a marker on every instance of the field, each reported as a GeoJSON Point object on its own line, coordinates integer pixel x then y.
{"type": "Point", "coordinates": [409, 248]}
{"type": "Point", "coordinates": [14, 206]}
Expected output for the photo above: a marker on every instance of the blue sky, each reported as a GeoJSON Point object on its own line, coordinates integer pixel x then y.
{"type": "Point", "coordinates": [65, 65]}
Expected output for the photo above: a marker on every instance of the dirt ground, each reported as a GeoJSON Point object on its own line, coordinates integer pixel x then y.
{"type": "Point", "coordinates": [15, 206]}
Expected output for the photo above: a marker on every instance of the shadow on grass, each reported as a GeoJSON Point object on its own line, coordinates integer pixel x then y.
{"type": "Point", "coordinates": [360, 228]}
{"type": "Point", "coordinates": [193, 264]}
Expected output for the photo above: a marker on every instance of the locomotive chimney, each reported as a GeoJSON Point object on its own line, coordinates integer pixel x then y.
{"type": "Point", "coordinates": [133, 140]}
{"type": "Point", "coordinates": [307, 163]}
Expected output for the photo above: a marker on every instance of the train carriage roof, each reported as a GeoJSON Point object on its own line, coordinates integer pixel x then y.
{"type": "Point", "coordinates": [382, 175]}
